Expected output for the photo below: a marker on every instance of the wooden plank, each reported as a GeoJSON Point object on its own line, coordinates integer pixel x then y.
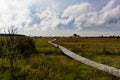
{"type": "Point", "coordinates": [106, 68]}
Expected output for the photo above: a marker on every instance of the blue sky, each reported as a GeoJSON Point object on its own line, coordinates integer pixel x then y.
{"type": "Point", "coordinates": [61, 17]}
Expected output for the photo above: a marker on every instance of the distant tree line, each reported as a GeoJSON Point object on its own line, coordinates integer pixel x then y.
{"type": "Point", "coordinates": [102, 36]}
{"type": "Point", "coordinates": [12, 35]}
{"type": "Point", "coordinates": [111, 36]}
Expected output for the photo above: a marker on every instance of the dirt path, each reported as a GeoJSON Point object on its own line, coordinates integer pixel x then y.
{"type": "Point", "coordinates": [109, 69]}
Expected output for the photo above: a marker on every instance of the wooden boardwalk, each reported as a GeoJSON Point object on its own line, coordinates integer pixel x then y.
{"type": "Point", "coordinates": [109, 69]}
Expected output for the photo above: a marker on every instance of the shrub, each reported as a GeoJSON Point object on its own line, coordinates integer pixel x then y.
{"type": "Point", "coordinates": [14, 46]}
{"type": "Point", "coordinates": [25, 46]}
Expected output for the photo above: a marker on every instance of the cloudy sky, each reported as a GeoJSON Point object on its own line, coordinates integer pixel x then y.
{"type": "Point", "coordinates": [61, 17]}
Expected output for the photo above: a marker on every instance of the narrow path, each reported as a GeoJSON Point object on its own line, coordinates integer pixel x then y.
{"type": "Point", "coordinates": [109, 69]}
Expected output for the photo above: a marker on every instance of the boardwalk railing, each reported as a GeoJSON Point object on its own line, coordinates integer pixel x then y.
{"type": "Point", "coordinates": [106, 68]}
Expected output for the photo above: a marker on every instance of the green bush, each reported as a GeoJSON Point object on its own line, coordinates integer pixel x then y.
{"type": "Point", "coordinates": [25, 46]}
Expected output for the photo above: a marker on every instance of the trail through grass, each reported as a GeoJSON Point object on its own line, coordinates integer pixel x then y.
{"type": "Point", "coordinates": [102, 50]}
{"type": "Point", "coordinates": [51, 64]}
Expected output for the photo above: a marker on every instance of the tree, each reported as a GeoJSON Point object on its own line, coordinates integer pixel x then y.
{"type": "Point", "coordinates": [25, 46]}
{"type": "Point", "coordinates": [75, 35]}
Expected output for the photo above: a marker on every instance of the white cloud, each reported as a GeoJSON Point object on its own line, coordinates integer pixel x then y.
{"type": "Point", "coordinates": [15, 13]}
{"type": "Point", "coordinates": [109, 5]}
{"type": "Point", "coordinates": [84, 15]}
{"type": "Point", "coordinates": [18, 13]}
{"type": "Point", "coordinates": [77, 10]}
{"type": "Point", "coordinates": [49, 19]}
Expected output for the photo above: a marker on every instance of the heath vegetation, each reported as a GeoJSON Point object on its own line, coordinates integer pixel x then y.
{"type": "Point", "coordinates": [35, 59]}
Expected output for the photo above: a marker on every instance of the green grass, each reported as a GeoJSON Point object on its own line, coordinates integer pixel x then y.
{"type": "Point", "coordinates": [103, 50]}
{"type": "Point", "coordinates": [50, 64]}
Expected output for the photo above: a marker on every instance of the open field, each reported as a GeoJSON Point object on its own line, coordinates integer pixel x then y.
{"type": "Point", "coordinates": [50, 63]}
{"type": "Point", "coordinates": [102, 50]}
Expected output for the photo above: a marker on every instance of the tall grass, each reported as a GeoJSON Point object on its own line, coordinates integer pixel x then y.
{"type": "Point", "coordinates": [51, 65]}
{"type": "Point", "coordinates": [97, 49]}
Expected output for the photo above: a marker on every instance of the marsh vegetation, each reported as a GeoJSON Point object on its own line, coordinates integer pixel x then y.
{"type": "Point", "coordinates": [49, 63]}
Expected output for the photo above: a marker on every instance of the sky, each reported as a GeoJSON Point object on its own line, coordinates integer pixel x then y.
{"type": "Point", "coordinates": [61, 17]}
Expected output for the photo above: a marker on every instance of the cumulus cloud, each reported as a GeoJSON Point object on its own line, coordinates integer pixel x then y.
{"type": "Point", "coordinates": [75, 11]}
{"type": "Point", "coordinates": [15, 13]}
{"type": "Point", "coordinates": [49, 19]}
{"type": "Point", "coordinates": [109, 6]}
{"type": "Point", "coordinates": [79, 8]}
{"type": "Point", "coordinates": [29, 17]}
{"type": "Point", "coordinates": [85, 15]}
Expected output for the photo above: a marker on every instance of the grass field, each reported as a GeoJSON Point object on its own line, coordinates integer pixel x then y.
{"type": "Point", "coordinates": [51, 64]}
{"type": "Point", "coordinates": [102, 50]}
